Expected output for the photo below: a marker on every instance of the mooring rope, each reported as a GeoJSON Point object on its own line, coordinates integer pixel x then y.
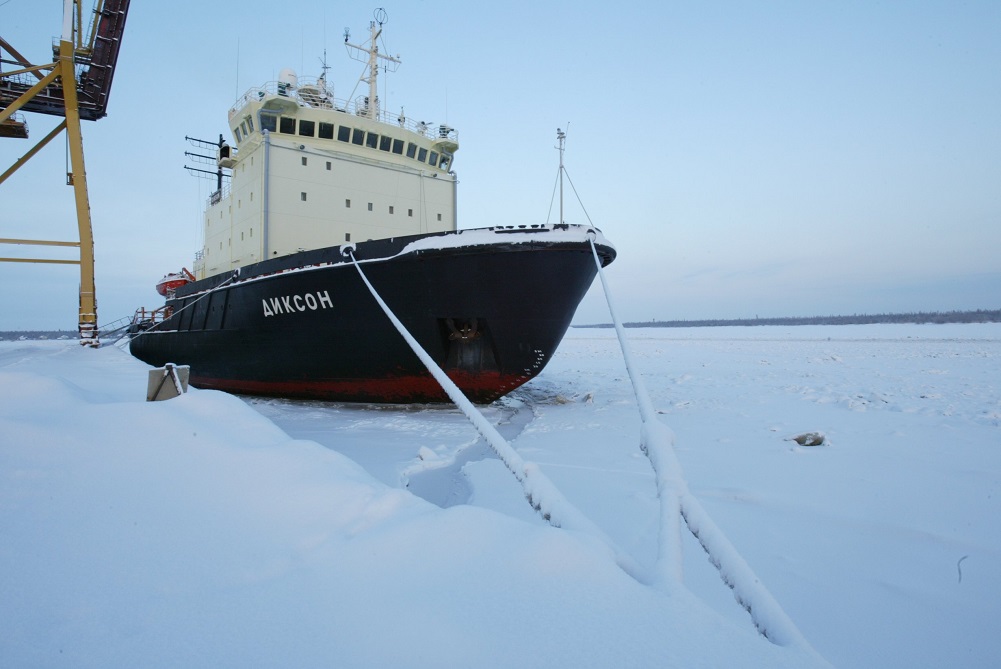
{"type": "Point", "coordinates": [236, 273]}
{"type": "Point", "coordinates": [669, 554]}
{"type": "Point", "coordinates": [539, 490]}
{"type": "Point", "coordinates": [676, 500]}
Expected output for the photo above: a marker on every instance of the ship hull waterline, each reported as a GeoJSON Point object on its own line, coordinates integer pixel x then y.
{"type": "Point", "coordinates": [490, 314]}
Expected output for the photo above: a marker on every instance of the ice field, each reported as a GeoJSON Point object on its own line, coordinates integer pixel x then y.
{"type": "Point", "coordinates": [215, 530]}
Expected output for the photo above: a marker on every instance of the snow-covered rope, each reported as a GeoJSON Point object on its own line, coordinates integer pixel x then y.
{"type": "Point", "coordinates": [541, 493]}
{"type": "Point", "coordinates": [669, 483]}
{"type": "Point", "coordinates": [676, 499]}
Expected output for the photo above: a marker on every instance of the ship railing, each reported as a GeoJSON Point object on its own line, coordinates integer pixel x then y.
{"type": "Point", "coordinates": [217, 196]}
{"type": "Point", "coordinates": [313, 93]}
{"type": "Point", "coordinates": [146, 318]}
{"type": "Point", "coordinates": [109, 330]}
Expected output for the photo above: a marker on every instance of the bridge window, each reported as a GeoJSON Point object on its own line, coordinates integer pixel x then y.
{"type": "Point", "coordinates": [411, 150]}
{"type": "Point", "coordinates": [269, 122]}
{"type": "Point", "coordinates": [236, 133]}
{"type": "Point", "coordinates": [250, 124]}
{"type": "Point", "coordinates": [372, 140]}
{"type": "Point", "coordinates": [422, 155]}
{"type": "Point", "coordinates": [287, 125]}
{"type": "Point", "coordinates": [358, 137]}
{"type": "Point", "coordinates": [344, 133]}
{"type": "Point", "coordinates": [385, 143]}
{"type": "Point", "coordinates": [433, 159]}
{"type": "Point", "coordinates": [398, 147]}
{"type": "Point", "coordinates": [326, 130]}
{"type": "Point", "coordinates": [307, 128]}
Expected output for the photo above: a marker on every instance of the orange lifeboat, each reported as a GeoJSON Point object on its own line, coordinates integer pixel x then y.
{"type": "Point", "coordinates": [171, 282]}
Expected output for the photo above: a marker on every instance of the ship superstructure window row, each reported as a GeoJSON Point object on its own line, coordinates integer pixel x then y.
{"type": "Point", "coordinates": [289, 125]}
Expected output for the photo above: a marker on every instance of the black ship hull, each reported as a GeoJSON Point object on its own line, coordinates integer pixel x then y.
{"type": "Point", "coordinates": [490, 306]}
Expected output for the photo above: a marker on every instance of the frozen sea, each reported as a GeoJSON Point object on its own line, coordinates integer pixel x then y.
{"type": "Point", "coordinates": [211, 530]}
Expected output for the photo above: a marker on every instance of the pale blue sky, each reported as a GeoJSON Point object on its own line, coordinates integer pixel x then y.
{"type": "Point", "coordinates": [746, 158]}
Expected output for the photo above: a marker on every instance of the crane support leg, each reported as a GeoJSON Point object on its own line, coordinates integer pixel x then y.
{"type": "Point", "coordinates": [78, 179]}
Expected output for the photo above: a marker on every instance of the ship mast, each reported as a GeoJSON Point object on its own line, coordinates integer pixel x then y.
{"type": "Point", "coordinates": [562, 138]}
{"type": "Point", "coordinates": [373, 56]}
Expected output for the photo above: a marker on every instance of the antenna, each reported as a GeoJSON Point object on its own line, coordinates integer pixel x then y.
{"type": "Point", "coordinates": [219, 174]}
{"type": "Point", "coordinates": [236, 84]}
{"type": "Point", "coordinates": [561, 137]}
{"type": "Point", "coordinates": [371, 59]}
{"type": "Point", "coordinates": [323, 65]}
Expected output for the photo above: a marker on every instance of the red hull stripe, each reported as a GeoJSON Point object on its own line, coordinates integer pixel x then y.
{"type": "Point", "coordinates": [483, 387]}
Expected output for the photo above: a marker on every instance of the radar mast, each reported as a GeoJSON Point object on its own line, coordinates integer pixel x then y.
{"type": "Point", "coordinates": [372, 59]}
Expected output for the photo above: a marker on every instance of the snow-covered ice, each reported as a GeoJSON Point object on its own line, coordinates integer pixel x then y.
{"type": "Point", "coordinates": [213, 531]}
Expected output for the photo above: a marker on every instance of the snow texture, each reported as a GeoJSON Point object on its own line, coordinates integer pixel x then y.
{"type": "Point", "coordinates": [677, 500]}
{"type": "Point", "coordinates": [523, 234]}
{"type": "Point", "coordinates": [211, 531]}
{"type": "Point", "coordinates": [541, 494]}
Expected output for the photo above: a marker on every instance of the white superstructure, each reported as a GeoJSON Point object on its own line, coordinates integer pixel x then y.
{"type": "Point", "coordinates": [311, 171]}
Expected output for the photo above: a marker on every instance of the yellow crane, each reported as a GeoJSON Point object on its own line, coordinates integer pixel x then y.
{"type": "Point", "coordinates": [76, 87]}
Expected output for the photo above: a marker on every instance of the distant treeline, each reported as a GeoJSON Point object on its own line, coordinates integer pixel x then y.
{"type": "Point", "coordinates": [978, 316]}
{"type": "Point", "coordinates": [14, 335]}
